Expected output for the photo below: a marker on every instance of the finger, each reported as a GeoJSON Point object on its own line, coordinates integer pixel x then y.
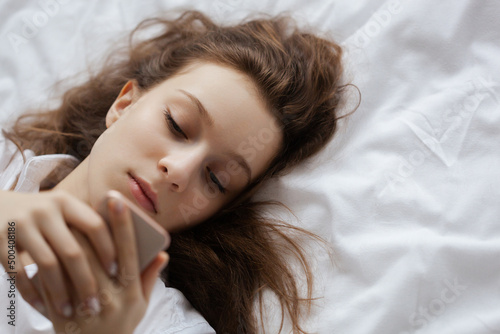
{"type": "Point", "coordinates": [49, 309]}
{"type": "Point", "coordinates": [49, 269]}
{"type": "Point", "coordinates": [12, 261]}
{"type": "Point", "coordinates": [10, 256]}
{"type": "Point", "coordinates": [27, 287]}
{"type": "Point", "coordinates": [50, 312]}
{"type": "Point", "coordinates": [74, 259]}
{"type": "Point", "coordinates": [18, 275]}
{"type": "Point", "coordinates": [85, 219]}
{"type": "Point", "coordinates": [92, 305]}
{"type": "Point", "coordinates": [126, 248]}
{"type": "Point", "coordinates": [151, 272]}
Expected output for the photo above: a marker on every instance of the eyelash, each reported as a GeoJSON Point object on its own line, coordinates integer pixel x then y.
{"type": "Point", "coordinates": [175, 128]}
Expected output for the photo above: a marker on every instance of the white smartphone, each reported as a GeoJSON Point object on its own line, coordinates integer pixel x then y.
{"type": "Point", "coordinates": [151, 238]}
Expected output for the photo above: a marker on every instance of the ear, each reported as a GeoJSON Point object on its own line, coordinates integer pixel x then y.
{"type": "Point", "coordinates": [127, 97]}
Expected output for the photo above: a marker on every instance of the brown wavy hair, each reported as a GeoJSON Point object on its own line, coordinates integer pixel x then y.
{"type": "Point", "coordinates": [223, 265]}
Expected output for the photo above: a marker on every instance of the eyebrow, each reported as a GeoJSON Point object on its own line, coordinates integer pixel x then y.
{"type": "Point", "coordinates": [210, 121]}
{"type": "Point", "coordinates": [201, 108]}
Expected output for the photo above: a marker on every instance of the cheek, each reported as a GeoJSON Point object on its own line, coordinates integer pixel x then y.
{"type": "Point", "coordinates": [147, 135]}
{"type": "Point", "coordinates": [190, 211]}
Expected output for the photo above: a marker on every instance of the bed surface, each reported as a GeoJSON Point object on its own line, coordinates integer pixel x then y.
{"type": "Point", "coordinates": [408, 191]}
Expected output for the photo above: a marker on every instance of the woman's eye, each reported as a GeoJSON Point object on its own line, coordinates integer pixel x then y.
{"type": "Point", "coordinates": [172, 124]}
{"type": "Point", "coordinates": [216, 181]}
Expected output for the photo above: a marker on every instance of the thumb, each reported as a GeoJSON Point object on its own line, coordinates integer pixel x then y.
{"type": "Point", "coordinates": [150, 274]}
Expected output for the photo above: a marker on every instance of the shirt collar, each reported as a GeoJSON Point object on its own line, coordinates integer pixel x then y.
{"type": "Point", "coordinates": [37, 168]}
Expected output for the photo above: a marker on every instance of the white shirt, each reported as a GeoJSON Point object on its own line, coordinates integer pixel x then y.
{"type": "Point", "coordinates": [168, 311]}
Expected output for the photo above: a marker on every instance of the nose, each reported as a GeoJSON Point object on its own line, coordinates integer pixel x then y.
{"type": "Point", "coordinates": [179, 169]}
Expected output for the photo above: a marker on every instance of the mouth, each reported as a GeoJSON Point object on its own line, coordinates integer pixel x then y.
{"type": "Point", "coordinates": [143, 194]}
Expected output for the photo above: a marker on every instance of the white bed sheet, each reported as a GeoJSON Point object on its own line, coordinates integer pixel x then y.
{"type": "Point", "coordinates": [408, 192]}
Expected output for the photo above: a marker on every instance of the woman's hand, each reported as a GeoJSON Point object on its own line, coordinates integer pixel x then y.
{"type": "Point", "coordinates": [41, 222]}
{"type": "Point", "coordinates": [124, 299]}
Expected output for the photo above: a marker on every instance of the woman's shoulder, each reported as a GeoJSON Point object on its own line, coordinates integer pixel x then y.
{"type": "Point", "coordinates": [11, 161]}
{"type": "Point", "coordinates": [170, 312]}
{"type": "Point", "coordinates": [25, 171]}
{"type": "Point", "coordinates": [7, 148]}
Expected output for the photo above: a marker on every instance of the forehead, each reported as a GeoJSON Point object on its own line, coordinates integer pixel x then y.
{"type": "Point", "coordinates": [242, 122]}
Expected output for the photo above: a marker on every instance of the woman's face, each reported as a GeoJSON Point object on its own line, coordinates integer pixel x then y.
{"type": "Point", "coordinates": [197, 139]}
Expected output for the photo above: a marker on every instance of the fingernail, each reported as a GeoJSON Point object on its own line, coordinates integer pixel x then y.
{"type": "Point", "coordinates": [118, 206]}
{"type": "Point", "coordinates": [67, 310]}
{"type": "Point", "coordinates": [93, 304]}
{"type": "Point", "coordinates": [113, 269]}
{"type": "Point", "coordinates": [39, 306]}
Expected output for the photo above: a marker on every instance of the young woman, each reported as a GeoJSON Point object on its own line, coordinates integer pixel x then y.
{"type": "Point", "coordinates": [198, 117]}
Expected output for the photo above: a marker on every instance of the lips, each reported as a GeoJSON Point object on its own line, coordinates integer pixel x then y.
{"type": "Point", "coordinates": [143, 194]}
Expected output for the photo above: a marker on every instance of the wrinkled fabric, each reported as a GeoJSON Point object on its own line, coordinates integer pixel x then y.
{"type": "Point", "coordinates": [407, 191]}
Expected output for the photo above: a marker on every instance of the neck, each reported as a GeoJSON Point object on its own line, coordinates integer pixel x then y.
{"type": "Point", "coordinates": [76, 182]}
